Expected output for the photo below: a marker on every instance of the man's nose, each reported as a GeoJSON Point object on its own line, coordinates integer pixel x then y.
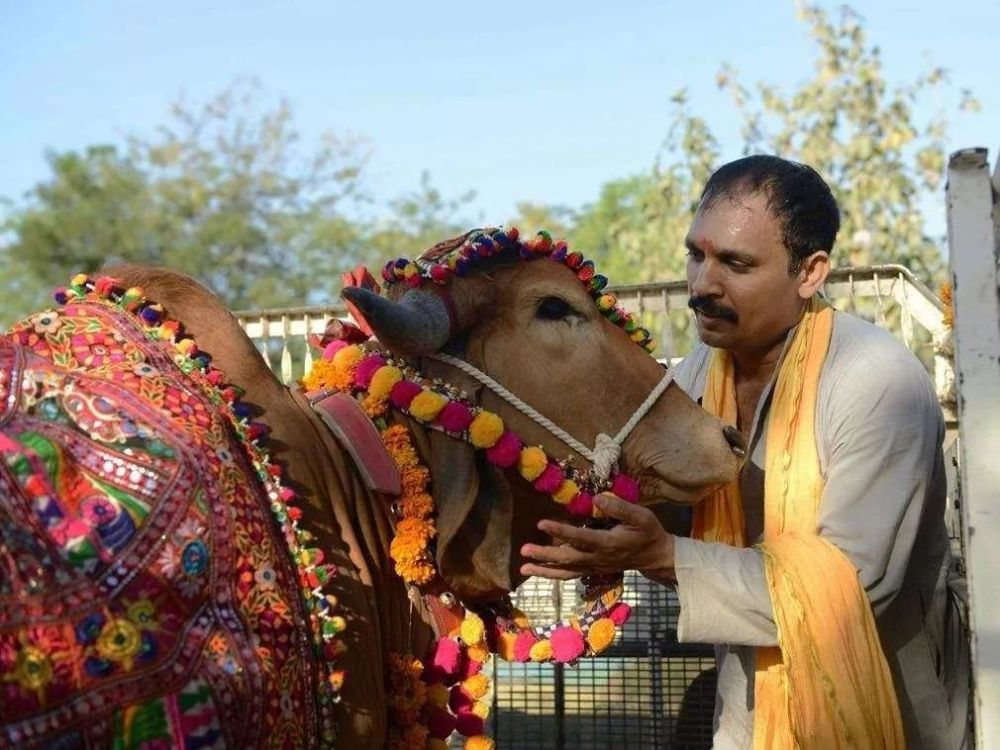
{"type": "Point", "coordinates": [705, 281]}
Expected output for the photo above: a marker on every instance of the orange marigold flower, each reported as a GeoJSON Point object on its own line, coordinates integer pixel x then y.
{"type": "Point", "coordinates": [406, 549]}
{"type": "Point", "coordinates": [420, 505]}
{"type": "Point", "coordinates": [417, 528]}
{"type": "Point", "coordinates": [415, 480]}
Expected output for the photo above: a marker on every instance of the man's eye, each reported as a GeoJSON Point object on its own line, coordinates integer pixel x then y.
{"type": "Point", "coordinates": [695, 254]}
{"type": "Point", "coordinates": [553, 308]}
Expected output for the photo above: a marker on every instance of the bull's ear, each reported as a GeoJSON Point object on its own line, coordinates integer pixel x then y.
{"type": "Point", "coordinates": [474, 520]}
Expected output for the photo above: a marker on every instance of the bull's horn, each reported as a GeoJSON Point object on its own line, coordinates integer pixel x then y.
{"type": "Point", "coordinates": [418, 324]}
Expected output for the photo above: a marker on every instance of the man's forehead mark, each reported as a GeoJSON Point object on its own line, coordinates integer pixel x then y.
{"type": "Point", "coordinates": [704, 244]}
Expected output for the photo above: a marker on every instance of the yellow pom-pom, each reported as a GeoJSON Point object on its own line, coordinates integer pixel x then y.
{"type": "Point", "coordinates": [426, 405]}
{"type": "Point", "coordinates": [480, 709]}
{"type": "Point", "coordinates": [79, 280]}
{"type": "Point", "coordinates": [411, 270]}
{"type": "Point", "coordinates": [505, 646]}
{"type": "Point", "coordinates": [437, 695]}
{"type": "Point", "coordinates": [566, 492]}
{"type": "Point", "coordinates": [532, 462]}
{"type": "Point", "coordinates": [479, 742]}
{"type": "Point", "coordinates": [541, 651]}
{"type": "Point", "coordinates": [477, 685]}
{"type": "Point", "coordinates": [478, 653]}
{"type": "Point", "coordinates": [348, 356]}
{"type": "Point", "coordinates": [472, 630]}
{"type": "Point", "coordinates": [606, 302]}
{"type": "Point", "coordinates": [485, 429]}
{"type": "Point", "coordinates": [185, 346]}
{"type": "Point", "coordinates": [601, 634]}
{"type": "Point", "coordinates": [383, 380]}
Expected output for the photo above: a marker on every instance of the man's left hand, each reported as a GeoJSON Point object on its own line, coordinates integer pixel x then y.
{"type": "Point", "coordinates": [637, 542]}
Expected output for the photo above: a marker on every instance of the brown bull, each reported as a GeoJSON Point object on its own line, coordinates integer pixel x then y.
{"type": "Point", "coordinates": [534, 329]}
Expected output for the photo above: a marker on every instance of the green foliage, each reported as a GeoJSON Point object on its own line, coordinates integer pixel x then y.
{"type": "Point", "coordinates": [846, 121]}
{"type": "Point", "coordinates": [227, 192]}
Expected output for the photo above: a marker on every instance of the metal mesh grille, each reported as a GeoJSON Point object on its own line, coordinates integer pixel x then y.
{"type": "Point", "coordinates": [647, 691]}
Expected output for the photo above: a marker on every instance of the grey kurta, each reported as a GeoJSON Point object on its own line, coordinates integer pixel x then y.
{"type": "Point", "coordinates": [880, 432]}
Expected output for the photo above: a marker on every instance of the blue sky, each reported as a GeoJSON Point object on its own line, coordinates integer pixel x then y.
{"type": "Point", "coordinates": [540, 101]}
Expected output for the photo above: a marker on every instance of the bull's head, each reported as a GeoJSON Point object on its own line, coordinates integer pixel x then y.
{"type": "Point", "coordinates": [533, 327]}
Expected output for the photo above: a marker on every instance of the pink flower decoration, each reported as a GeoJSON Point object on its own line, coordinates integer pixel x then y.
{"type": "Point", "coordinates": [522, 646]}
{"type": "Point", "coordinates": [567, 644]}
{"type": "Point", "coordinates": [550, 479]}
{"type": "Point", "coordinates": [505, 451]}
{"type": "Point", "coordinates": [470, 668]}
{"type": "Point", "coordinates": [441, 724]}
{"type": "Point", "coordinates": [468, 724]}
{"type": "Point", "coordinates": [626, 488]}
{"type": "Point", "coordinates": [447, 657]}
{"type": "Point", "coordinates": [333, 347]}
{"type": "Point", "coordinates": [366, 368]}
{"type": "Point", "coordinates": [455, 417]}
{"type": "Point", "coordinates": [440, 273]}
{"type": "Point", "coordinates": [403, 393]}
{"type": "Point", "coordinates": [620, 613]}
{"type": "Point", "coordinates": [459, 700]}
{"type": "Point", "coordinates": [582, 505]}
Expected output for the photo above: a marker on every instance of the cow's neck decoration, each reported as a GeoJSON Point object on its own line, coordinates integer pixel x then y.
{"type": "Point", "coordinates": [452, 684]}
{"type": "Point", "coordinates": [313, 572]}
{"type": "Point", "coordinates": [439, 264]}
{"type": "Point", "coordinates": [429, 701]}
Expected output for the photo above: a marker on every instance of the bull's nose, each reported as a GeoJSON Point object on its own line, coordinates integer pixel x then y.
{"type": "Point", "coordinates": [735, 440]}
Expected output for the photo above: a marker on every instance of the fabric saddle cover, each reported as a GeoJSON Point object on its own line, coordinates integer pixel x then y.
{"type": "Point", "coordinates": [147, 597]}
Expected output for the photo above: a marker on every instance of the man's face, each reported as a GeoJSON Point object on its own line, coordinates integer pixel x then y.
{"type": "Point", "coordinates": [737, 271]}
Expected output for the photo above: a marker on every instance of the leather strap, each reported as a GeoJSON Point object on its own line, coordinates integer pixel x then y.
{"type": "Point", "coordinates": [352, 428]}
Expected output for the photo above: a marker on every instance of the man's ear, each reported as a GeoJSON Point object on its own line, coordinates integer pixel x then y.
{"type": "Point", "coordinates": [813, 273]}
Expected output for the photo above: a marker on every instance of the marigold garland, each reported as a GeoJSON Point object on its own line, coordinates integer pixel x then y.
{"type": "Point", "coordinates": [455, 689]}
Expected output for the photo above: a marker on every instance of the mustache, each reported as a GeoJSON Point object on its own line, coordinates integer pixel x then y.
{"type": "Point", "coordinates": [709, 306]}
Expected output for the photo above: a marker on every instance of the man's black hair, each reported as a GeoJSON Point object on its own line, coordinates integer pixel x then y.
{"type": "Point", "coordinates": [796, 195]}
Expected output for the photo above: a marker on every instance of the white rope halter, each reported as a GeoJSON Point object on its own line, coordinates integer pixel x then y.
{"type": "Point", "coordinates": [604, 455]}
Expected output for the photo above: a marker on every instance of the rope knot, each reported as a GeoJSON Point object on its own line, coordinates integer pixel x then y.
{"type": "Point", "coordinates": [606, 452]}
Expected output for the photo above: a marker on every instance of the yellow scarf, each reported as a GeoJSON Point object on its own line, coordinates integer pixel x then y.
{"type": "Point", "coordinates": [827, 684]}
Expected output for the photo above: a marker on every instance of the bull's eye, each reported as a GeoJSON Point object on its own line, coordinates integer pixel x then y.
{"type": "Point", "coordinates": [553, 308]}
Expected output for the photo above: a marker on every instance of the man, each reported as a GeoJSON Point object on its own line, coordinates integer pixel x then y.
{"type": "Point", "coordinates": [837, 625]}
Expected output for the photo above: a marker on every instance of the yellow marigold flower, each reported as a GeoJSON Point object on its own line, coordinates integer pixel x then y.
{"type": "Point", "coordinates": [541, 651]}
{"type": "Point", "coordinates": [478, 653]}
{"type": "Point", "coordinates": [485, 429]}
{"type": "Point", "coordinates": [320, 375]}
{"type": "Point", "coordinates": [472, 630]}
{"type": "Point", "coordinates": [406, 549]}
{"type": "Point", "coordinates": [505, 645]}
{"type": "Point", "coordinates": [480, 709]}
{"type": "Point", "coordinates": [601, 634]}
{"type": "Point", "coordinates": [438, 694]}
{"type": "Point", "coordinates": [479, 742]}
{"type": "Point", "coordinates": [374, 406]}
{"type": "Point", "coordinates": [566, 492]}
{"type": "Point", "coordinates": [418, 572]}
{"type": "Point", "coordinates": [532, 462]}
{"type": "Point", "coordinates": [477, 685]}
{"type": "Point", "coordinates": [383, 380]}
{"type": "Point", "coordinates": [426, 405]}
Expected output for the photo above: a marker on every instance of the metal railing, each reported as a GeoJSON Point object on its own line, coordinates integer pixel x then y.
{"type": "Point", "coordinates": [888, 295]}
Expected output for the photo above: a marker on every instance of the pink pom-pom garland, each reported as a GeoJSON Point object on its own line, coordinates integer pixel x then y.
{"type": "Point", "coordinates": [567, 644]}
{"type": "Point", "coordinates": [366, 369]}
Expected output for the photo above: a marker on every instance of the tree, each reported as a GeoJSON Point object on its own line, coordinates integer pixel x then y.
{"type": "Point", "coordinates": [861, 134]}
{"type": "Point", "coordinates": [225, 192]}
